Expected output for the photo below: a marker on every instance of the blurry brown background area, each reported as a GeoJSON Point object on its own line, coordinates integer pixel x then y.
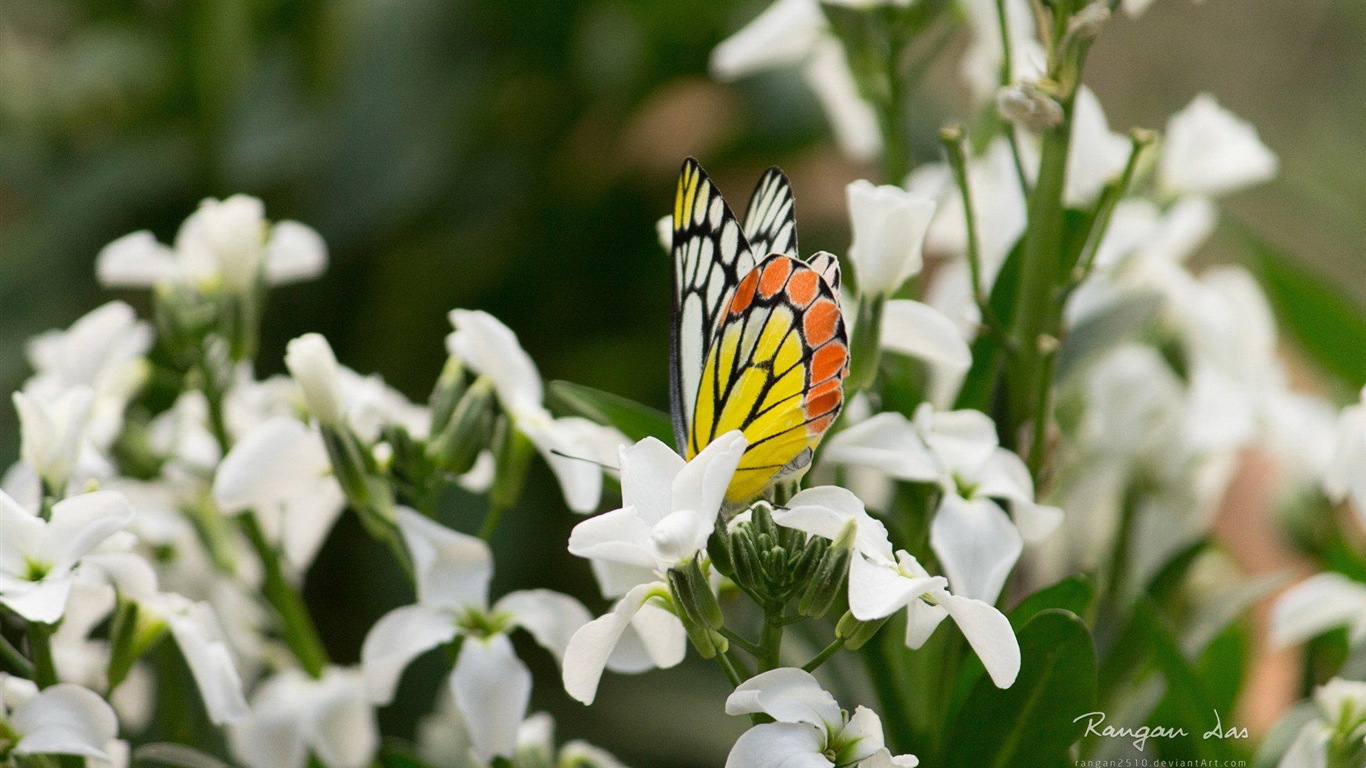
{"type": "Point", "coordinates": [514, 157]}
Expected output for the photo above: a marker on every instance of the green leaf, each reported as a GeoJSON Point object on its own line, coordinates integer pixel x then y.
{"type": "Point", "coordinates": [1033, 723]}
{"type": "Point", "coordinates": [1072, 594]}
{"type": "Point", "coordinates": [636, 421]}
{"type": "Point", "coordinates": [398, 754]}
{"type": "Point", "coordinates": [179, 755]}
{"type": "Point", "coordinates": [1325, 322]}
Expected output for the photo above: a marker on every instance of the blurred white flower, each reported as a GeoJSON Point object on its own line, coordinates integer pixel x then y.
{"type": "Point", "coordinates": [794, 32]}
{"type": "Point", "coordinates": [1345, 476]}
{"type": "Point", "coordinates": [293, 715]}
{"type": "Point", "coordinates": [1342, 720]}
{"type": "Point", "coordinates": [810, 729]}
{"type": "Point", "coordinates": [977, 542]}
{"type": "Point", "coordinates": [889, 226]}
{"type": "Point", "coordinates": [62, 719]}
{"type": "Point", "coordinates": [491, 686]}
{"type": "Point", "coordinates": [225, 241]}
{"type": "Point", "coordinates": [38, 557]}
{"type": "Point", "coordinates": [53, 433]}
{"type": "Point", "coordinates": [981, 64]}
{"type": "Point", "coordinates": [1208, 150]}
{"type": "Point", "coordinates": [313, 365]}
{"type": "Point", "coordinates": [281, 471]}
{"type": "Point", "coordinates": [103, 351]}
{"type": "Point", "coordinates": [926, 334]}
{"type": "Point", "coordinates": [882, 582]}
{"type": "Point", "coordinates": [491, 349]}
{"type": "Point", "coordinates": [1320, 603]}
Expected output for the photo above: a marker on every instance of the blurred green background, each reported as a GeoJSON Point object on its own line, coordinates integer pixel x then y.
{"type": "Point", "coordinates": [514, 157]}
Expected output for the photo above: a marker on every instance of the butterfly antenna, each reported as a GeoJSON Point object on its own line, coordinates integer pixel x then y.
{"type": "Point", "coordinates": [564, 455]}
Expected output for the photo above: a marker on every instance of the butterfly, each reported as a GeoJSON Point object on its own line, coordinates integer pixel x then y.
{"type": "Point", "coordinates": [758, 340]}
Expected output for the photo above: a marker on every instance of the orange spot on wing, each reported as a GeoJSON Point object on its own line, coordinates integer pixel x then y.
{"type": "Point", "coordinates": [824, 398]}
{"type": "Point", "coordinates": [803, 286]}
{"type": "Point", "coordinates": [819, 323]}
{"type": "Point", "coordinates": [774, 277]}
{"type": "Point", "coordinates": [828, 362]}
{"type": "Point", "coordinates": [744, 293]}
{"type": "Point", "coordinates": [819, 425]}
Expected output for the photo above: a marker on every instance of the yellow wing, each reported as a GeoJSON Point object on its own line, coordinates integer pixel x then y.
{"type": "Point", "coordinates": [775, 371]}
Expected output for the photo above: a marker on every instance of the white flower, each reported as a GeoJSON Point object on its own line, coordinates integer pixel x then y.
{"type": "Point", "coordinates": [491, 349]}
{"type": "Point", "coordinates": [1342, 720]}
{"type": "Point", "coordinates": [810, 729]}
{"type": "Point", "coordinates": [882, 582]}
{"type": "Point", "coordinates": [889, 226]}
{"type": "Point", "coordinates": [670, 509]}
{"type": "Point", "coordinates": [226, 241]}
{"type": "Point", "coordinates": [281, 470]}
{"type": "Point", "coordinates": [293, 715]}
{"type": "Point", "coordinates": [53, 433]}
{"type": "Point", "coordinates": [1318, 604]}
{"type": "Point", "coordinates": [63, 719]}
{"type": "Point", "coordinates": [981, 63]}
{"type": "Point", "coordinates": [794, 32]}
{"type": "Point", "coordinates": [976, 541]}
{"type": "Point", "coordinates": [38, 557]}
{"type": "Point", "coordinates": [1210, 151]}
{"type": "Point", "coordinates": [311, 361]}
{"type": "Point", "coordinates": [1345, 475]}
{"type": "Point", "coordinates": [492, 687]}
{"type": "Point", "coordinates": [103, 350]}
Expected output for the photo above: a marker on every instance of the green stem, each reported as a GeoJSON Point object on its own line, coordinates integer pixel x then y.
{"type": "Point", "coordinates": [40, 648]}
{"type": "Point", "coordinates": [16, 660]}
{"type": "Point", "coordinates": [1033, 323]}
{"type": "Point", "coordinates": [491, 519]}
{"type": "Point", "coordinates": [953, 140]}
{"type": "Point", "coordinates": [750, 647]}
{"type": "Point", "coordinates": [825, 655]}
{"type": "Point", "coordinates": [728, 666]}
{"type": "Point", "coordinates": [299, 632]}
{"type": "Point", "coordinates": [771, 640]}
{"type": "Point", "coordinates": [1105, 209]}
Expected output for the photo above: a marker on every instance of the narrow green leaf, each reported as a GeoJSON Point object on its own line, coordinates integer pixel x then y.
{"type": "Point", "coordinates": [636, 421]}
{"type": "Point", "coordinates": [1072, 594]}
{"type": "Point", "coordinates": [179, 755]}
{"type": "Point", "coordinates": [1033, 723]}
{"type": "Point", "coordinates": [1325, 322]}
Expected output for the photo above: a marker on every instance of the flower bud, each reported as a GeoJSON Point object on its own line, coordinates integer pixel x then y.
{"type": "Point", "coordinates": [745, 559]}
{"type": "Point", "coordinates": [349, 465]}
{"type": "Point", "coordinates": [1026, 104]}
{"type": "Point", "coordinates": [855, 633]}
{"type": "Point", "coordinates": [450, 387]}
{"type": "Point", "coordinates": [468, 430]}
{"type": "Point", "coordinates": [52, 433]}
{"type": "Point", "coordinates": [313, 365]}
{"type": "Point", "coordinates": [865, 347]}
{"type": "Point", "coordinates": [826, 584]}
{"type": "Point", "coordinates": [889, 226]}
{"type": "Point", "coordinates": [512, 453]}
{"type": "Point", "coordinates": [693, 595]}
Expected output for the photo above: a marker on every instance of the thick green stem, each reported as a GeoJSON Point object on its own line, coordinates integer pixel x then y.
{"type": "Point", "coordinates": [771, 640]}
{"type": "Point", "coordinates": [40, 649]}
{"type": "Point", "coordinates": [299, 633]}
{"type": "Point", "coordinates": [18, 663]}
{"type": "Point", "coordinates": [1034, 328]}
{"type": "Point", "coordinates": [896, 718]}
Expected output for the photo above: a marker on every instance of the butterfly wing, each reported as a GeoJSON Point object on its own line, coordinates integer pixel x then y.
{"type": "Point", "coordinates": [774, 371]}
{"type": "Point", "coordinates": [771, 218]}
{"type": "Point", "coordinates": [710, 255]}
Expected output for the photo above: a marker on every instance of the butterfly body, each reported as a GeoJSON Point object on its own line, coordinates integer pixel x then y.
{"type": "Point", "coordinates": [759, 341]}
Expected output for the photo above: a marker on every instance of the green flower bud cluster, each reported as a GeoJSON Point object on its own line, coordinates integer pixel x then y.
{"type": "Point", "coordinates": [696, 605]}
{"type": "Point", "coordinates": [777, 565]}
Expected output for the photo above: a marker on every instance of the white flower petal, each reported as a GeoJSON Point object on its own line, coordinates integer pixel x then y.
{"type": "Point", "coordinates": [779, 745]}
{"type": "Point", "coordinates": [977, 546]}
{"type": "Point", "coordinates": [313, 364]}
{"type": "Point", "coordinates": [1319, 603]}
{"type": "Point", "coordinates": [788, 695]}
{"type": "Point", "coordinates": [784, 34]}
{"type": "Point", "coordinates": [923, 332]}
{"type": "Point", "coordinates": [888, 443]}
{"type": "Point", "coordinates": [490, 348]}
{"type": "Point", "coordinates": [136, 260]}
{"type": "Point", "coordinates": [648, 469]}
{"type": "Point", "coordinates": [569, 454]}
{"type": "Point", "coordinates": [889, 226]}
{"type": "Point", "coordinates": [492, 688]}
{"type": "Point", "coordinates": [989, 633]}
{"type": "Point", "coordinates": [400, 636]}
{"type": "Point", "coordinates": [853, 120]}
{"type": "Point", "coordinates": [273, 463]}
{"type": "Point", "coordinates": [551, 617]}
{"type": "Point", "coordinates": [825, 511]}
{"type": "Point", "coordinates": [877, 590]}
{"type": "Point", "coordinates": [453, 568]}
{"type": "Point", "coordinates": [619, 536]}
{"type": "Point", "coordinates": [1208, 150]}
{"type": "Point", "coordinates": [64, 719]}
{"type": "Point", "coordinates": [294, 252]}
{"type": "Point", "coordinates": [200, 640]}
{"type": "Point", "coordinates": [586, 656]}
{"type": "Point", "coordinates": [341, 727]}
{"type": "Point", "coordinates": [861, 737]}
{"type": "Point", "coordinates": [701, 485]}
{"type": "Point", "coordinates": [922, 619]}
